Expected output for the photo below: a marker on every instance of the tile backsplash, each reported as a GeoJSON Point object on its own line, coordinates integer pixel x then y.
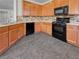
{"type": "Point", "coordinates": [74, 19]}
{"type": "Point", "coordinates": [39, 18]}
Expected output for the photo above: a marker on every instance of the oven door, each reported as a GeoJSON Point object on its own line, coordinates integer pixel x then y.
{"type": "Point", "coordinates": [59, 32]}
{"type": "Point", "coordinates": [59, 29]}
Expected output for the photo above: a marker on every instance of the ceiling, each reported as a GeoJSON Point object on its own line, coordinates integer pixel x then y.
{"type": "Point", "coordinates": [41, 2]}
{"type": "Point", "coordinates": [6, 4]}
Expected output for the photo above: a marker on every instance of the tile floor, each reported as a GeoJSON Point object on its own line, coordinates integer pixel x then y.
{"type": "Point", "coordinates": [41, 46]}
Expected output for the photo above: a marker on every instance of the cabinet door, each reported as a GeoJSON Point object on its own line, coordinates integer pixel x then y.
{"type": "Point", "coordinates": [48, 9]}
{"type": "Point", "coordinates": [56, 3]}
{"type": "Point", "coordinates": [37, 27]}
{"type": "Point", "coordinates": [44, 27]}
{"type": "Point", "coordinates": [13, 36]}
{"type": "Point", "coordinates": [3, 42]}
{"type": "Point", "coordinates": [26, 8]}
{"type": "Point", "coordinates": [64, 2]}
{"type": "Point", "coordinates": [32, 11]}
{"type": "Point", "coordinates": [51, 9]}
{"type": "Point", "coordinates": [49, 28]}
{"type": "Point", "coordinates": [73, 6]}
{"type": "Point", "coordinates": [78, 36]}
{"type": "Point", "coordinates": [44, 10]}
{"type": "Point", "coordinates": [21, 32]}
{"type": "Point", "coordinates": [72, 34]}
{"type": "Point", "coordinates": [39, 11]}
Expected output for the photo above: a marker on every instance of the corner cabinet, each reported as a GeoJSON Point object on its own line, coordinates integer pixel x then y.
{"type": "Point", "coordinates": [3, 39]}
{"type": "Point", "coordinates": [46, 27]}
{"type": "Point", "coordinates": [48, 9]}
{"type": "Point", "coordinates": [31, 9]}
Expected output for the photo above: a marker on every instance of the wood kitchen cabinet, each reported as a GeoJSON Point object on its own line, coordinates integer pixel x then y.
{"type": "Point", "coordinates": [3, 39]}
{"type": "Point", "coordinates": [72, 34]}
{"type": "Point", "coordinates": [45, 10]}
{"type": "Point", "coordinates": [64, 2]}
{"type": "Point", "coordinates": [46, 28]}
{"type": "Point", "coordinates": [16, 32]}
{"type": "Point", "coordinates": [37, 27]}
{"type": "Point", "coordinates": [60, 3]}
{"type": "Point", "coordinates": [26, 8]}
{"type": "Point", "coordinates": [74, 7]}
{"type": "Point", "coordinates": [48, 9]}
{"type": "Point", "coordinates": [43, 27]}
{"type": "Point", "coordinates": [51, 8]}
{"type": "Point", "coordinates": [31, 9]}
{"type": "Point", "coordinates": [39, 10]}
{"type": "Point", "coordinates": [21, 30]}
{"type": "Point", "coordinates": [49, 28]}
{"type": "Point", "coordinates": [56, 3]}
{"type": "Point", "coordinates": [78, 36]}
{"type": "Point", "coordinates": [35, 10]}
{"type": "Point", "coordinates": [13, 34]}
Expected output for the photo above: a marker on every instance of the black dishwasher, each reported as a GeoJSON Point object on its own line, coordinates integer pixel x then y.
{"type": "Point", "coordinates": [29, 28]}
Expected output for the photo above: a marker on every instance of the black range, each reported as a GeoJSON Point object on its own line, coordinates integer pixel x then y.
{"type": "Point", "coordinates": [59, 28]}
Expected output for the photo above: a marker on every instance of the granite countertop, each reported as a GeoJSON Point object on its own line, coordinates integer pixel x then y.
{"type": "Point", "coordinates": [8, 24]}
{"type": "Point", "coordinates": [75, 23]}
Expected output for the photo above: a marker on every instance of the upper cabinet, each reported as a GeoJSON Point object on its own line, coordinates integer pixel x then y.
{"type": "Point", "coordinates": [35, 10]}
{"type": "Point", "coordinates": [60, 3]}
{"type": "Point", "coordinates": [56, 3]}
{"type": "Point", "coordinates": [48, 9]}
{"type": "Point", "coordinates": [64, 2]}
{"type": "Point", "coordinates": [31, 9]}
{"type": "Point", "coordinates": [74, 7]}
{"type": "Point", "coordinates": [26, 8]}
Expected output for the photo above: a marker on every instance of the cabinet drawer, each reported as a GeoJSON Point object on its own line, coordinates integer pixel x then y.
{"type": "Point", "coordinates": [13, 27]}
{"type": "Point", "coordinates": [71, 27]}
{"type": "Point", "coordinates": [3, 29]}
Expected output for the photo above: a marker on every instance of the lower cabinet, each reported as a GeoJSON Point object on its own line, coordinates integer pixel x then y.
{"type": "Point", "coordinates": [72, 34]}
{"type": "Point", "coordinates": [10, 34]}
{"type": "Point", "coordinates": [46, 28]}
{"type": "Point", "coordinates": [21, 30]}
{"type": "Point", "coordinates": [3, 39]}
{"type": "Point", "coordinates": [78, 36]}
{"type": "Point", "coordinates": [43, 27]}
{"type": "Point", "coordinates": [13, 36]}
{"type": "Point", "coordinates": [16, 32]}
{"type": "Point", "coordinates": [37, 27]}
{"type": "Point", "coordinates": [49, 28]}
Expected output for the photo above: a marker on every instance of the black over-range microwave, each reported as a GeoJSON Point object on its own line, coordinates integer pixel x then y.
{"type": "Point", "coordinates": [61, 10]}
